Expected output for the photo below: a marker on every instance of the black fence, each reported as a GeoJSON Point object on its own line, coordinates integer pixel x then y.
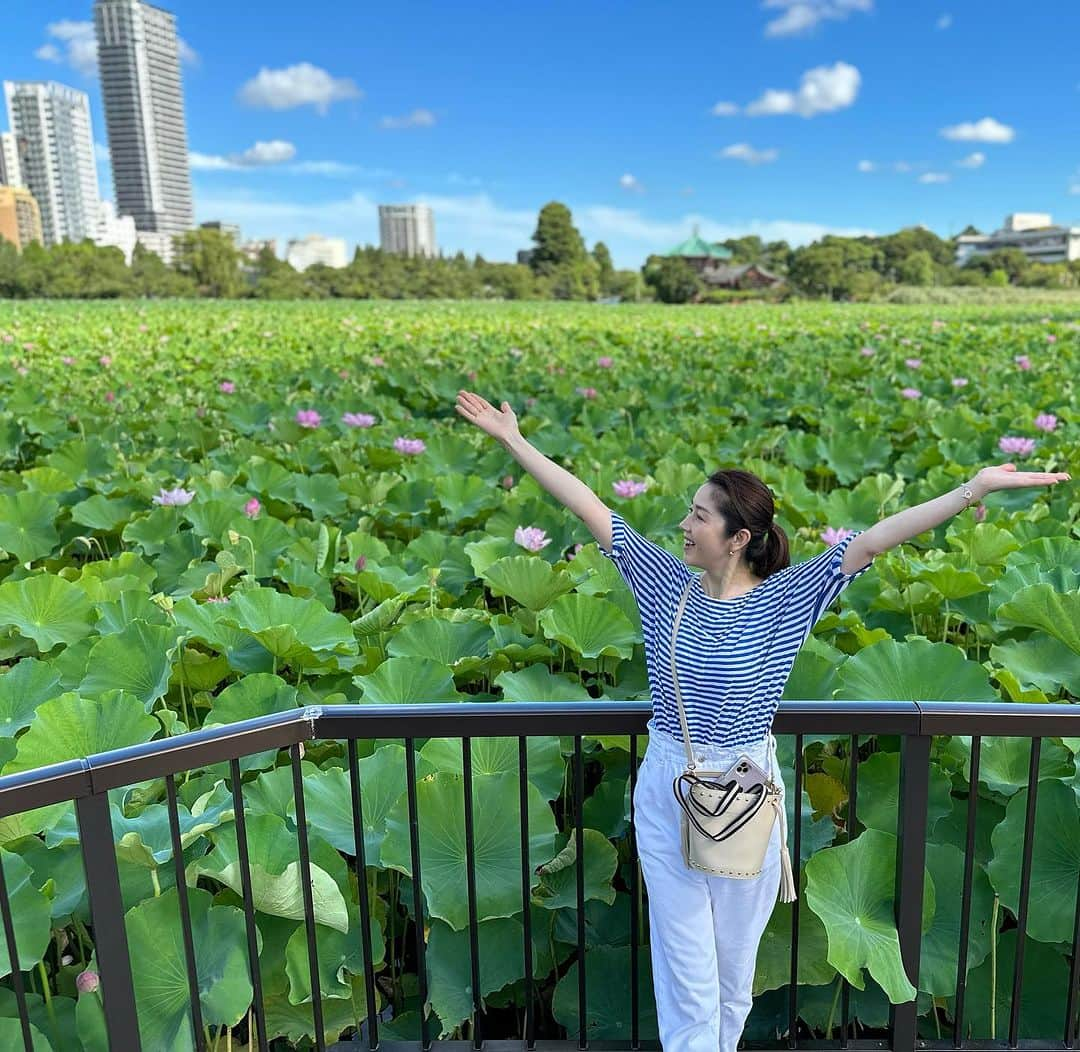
{"type": "Point", "coordinates": [88, 781]}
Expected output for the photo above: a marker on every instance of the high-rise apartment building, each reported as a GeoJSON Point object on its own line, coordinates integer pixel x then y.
{"type": "Point", "coordinates": [304, 252]}
{"type": "Point", "coordinates": [139, 61]}
{"type": "Point", "coordinates": [20, 221]}
{"type": "Point", "coordinates": [10, 169]}
{"type": "Point", "coordinates": [55, 148]}
{"type": "Point", "coordinates": [407, 230]}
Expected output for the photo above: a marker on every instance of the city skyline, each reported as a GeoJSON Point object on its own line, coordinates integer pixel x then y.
{"type": "Point", "coordinates": [789, 120]}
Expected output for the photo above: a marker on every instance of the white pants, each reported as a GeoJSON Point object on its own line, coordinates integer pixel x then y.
{"type": "Point", "coordinates": [704, 929]}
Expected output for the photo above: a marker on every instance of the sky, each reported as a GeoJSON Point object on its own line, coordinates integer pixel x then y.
{"type": "Point", "coordinates": [783, 118]}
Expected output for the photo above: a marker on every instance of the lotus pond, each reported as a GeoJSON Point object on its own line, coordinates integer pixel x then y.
{"type": "Point", "coordinates": [212, 511]}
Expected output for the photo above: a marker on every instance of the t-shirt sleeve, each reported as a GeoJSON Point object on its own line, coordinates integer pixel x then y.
{"type": "Point", "coordinates": [653, 573]}
{"type": "Point", "coordinates": [814, 583]}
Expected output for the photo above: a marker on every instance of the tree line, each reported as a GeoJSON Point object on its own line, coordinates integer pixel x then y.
{"type": "Point", "coordinates": [559, 266]}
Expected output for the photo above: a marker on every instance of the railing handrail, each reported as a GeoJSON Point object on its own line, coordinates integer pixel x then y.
{"type": "Point", "coordinates": [74, 779]}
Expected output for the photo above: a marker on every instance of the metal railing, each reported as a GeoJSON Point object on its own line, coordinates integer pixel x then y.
{"type": "Point", "coordinates": [88, 781]}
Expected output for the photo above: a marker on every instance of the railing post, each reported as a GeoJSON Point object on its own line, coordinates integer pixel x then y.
{"type": "Point", "coordinates": [908, 888]}
{"type": "Point", "coordinates": [107, 917]}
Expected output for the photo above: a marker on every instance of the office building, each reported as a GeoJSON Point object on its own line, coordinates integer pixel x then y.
{"type": "Point", "coordinates": [228, 229]}
{"type": "Point", "coordinates": [20, 221]}
{"type": "Point", "coordinates": [407, 230]}
{"type": "Point", "coordinates": [251, 250]}
{"type": "Point", "coordinates": [1031, 232]}
{"type": "Point", "coordinates": [10, 169]}
{"type": "Point", "coordinates": [306, 251]}
{"type": "Point", "coordinates": [139, 62]}
{"type": "Point", "coordinates": [55, 147]}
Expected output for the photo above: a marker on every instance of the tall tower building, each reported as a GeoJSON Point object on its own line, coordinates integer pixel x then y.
{"type": "Point", "coordinates": [407, 230]}
{"type": "Point", "coordinates": [139, 60]}
{"type": "Point", "coordinates": [55, 152]}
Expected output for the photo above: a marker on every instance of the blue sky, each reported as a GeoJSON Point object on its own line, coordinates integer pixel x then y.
{"type": "Point", "coordinates": [785, 118]}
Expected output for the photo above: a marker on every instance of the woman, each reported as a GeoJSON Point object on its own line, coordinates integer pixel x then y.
{"type": "Point", "coordinates": [746, 616]}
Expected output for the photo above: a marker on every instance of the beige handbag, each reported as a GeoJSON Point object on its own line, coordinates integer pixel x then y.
{"type": "Point", "coordinates": [728, 816]}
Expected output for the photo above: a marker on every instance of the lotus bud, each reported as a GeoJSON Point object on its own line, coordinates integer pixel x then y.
{"type": "Point", "coordinates": [87, 982]}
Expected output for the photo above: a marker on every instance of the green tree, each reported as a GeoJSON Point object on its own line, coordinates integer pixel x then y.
{"type": "Point", "coordinates": [558, 242]}
{"type": "Point", "coordinates": [605, 268]}
{"type": "Point", "coordinates": [917, 269]}
{"type": "Point", "coordinates": [745, 249]}
{"type": "Point", "coordinates": [672, 278]}
{"type": "Point", "coordinates": [151, 277]}
{"type": "Point", "coordinates": [210, 258]}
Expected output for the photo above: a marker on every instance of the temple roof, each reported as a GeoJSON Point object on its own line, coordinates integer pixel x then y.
{"type": "Point", "coordinates": [696, 246]}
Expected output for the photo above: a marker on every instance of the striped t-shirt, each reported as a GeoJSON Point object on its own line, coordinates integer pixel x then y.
{"type": "Point", "coordinates": [733, 655]}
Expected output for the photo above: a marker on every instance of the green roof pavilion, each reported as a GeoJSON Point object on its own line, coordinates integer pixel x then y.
{"type": "Point", "coordinates": [698, 248]}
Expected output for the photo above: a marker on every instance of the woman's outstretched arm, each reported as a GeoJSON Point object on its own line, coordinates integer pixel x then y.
{"type": "Point", "coordinates": [910, 522]}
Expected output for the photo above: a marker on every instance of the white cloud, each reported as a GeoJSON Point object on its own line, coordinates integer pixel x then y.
{"type": "Point", "coordinates": [902, 166]}
{"type": "Point", "coordinates": [628, 182]}
{"type": "Point", "coordinates": [934, 177]}
{"type": "Point", "coordinates": [802, 16]}
{"type": "Point", "coordinates": [986, 130]}
{"type": "Point", "coordinates": [867, 166]}
{"type": "Point", "coordinates": [742, 151]}
{"type": "Point", "coordinates": [944, 21]}
{"type": "Point", "coordinates": [299, 85]}
{"type": "Point", "coordinates": [821, 90]}
{"type": "Point", "coordinates": [79, 47]}
{"type": "Point", "coordinates": [973, 160]}
{"type": "Point", "coordinates": [416, 119]}
{"type": "Point", "coordinates": [725, 109]}
{"type": "Point", "coordinates": [477, 223]}
{"type": "Point", "coordinates": [261, 155]}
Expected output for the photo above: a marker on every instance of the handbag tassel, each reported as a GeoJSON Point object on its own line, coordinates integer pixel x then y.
{"type": "Point", "coordinates": [787, 877]}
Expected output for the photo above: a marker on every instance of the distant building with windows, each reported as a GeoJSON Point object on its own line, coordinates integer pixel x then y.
{"type": "Point", "coordinates": [139, 63]}
{"type": "Point", "coordinates": [252, 249]}
{"type": "Point", "coordinates": [407, 230]}
{"type": "Point", "coordinates": [228, 229]}
{"type": "Point", "coordinates": [115, 231]}
{"type": "Point", "coordinates": [305, 252]}
{"type": "Point", "coordinates": [55, 150]}
{"type": "Point", "coordinates": [10, 169]}
{"type": "Point", "coordinates": [1031, 232]}
{"type": "Point", "coordinates": [20, 220]}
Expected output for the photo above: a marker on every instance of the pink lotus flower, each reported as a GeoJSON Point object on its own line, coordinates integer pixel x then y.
{"type": "Point", "coordinates": [173, 497]}
{"type": "Point", "coordinates": [87, 982]}
{"type": "Point", "coordinates": [8, 338]}
{"type": "Point", "coordinates": [911, 392]}
{"type": "Point", "coordinates": [506, 481]}
{"type": "Point", "coordinates": [343, 373]}
{"type": "Point", "coordinates": [409, 445]}
{"type": "Point", "coordinates": [532, 538]}
{"type": "Point", "coordinates": [1051, 338]}
{"type": "Point", "coordinates": [959, 381]}
{"type": "Point", "coordinates": [378, 360]}
{"type": "Point", "coordinates": [1046, 421]}
{"type": "Point", "coordinates": [626, 488]}
{"type": "Point", "coordinates": [980, 512]}
{"type": "Point", "coordinates": [21, 370]}
{"type": "Point", "coordinates": [105, 361]}
{"type": "Point", "coordinates": [252, 507]}
{"type": "Point", "coordinates": [937, 324]}
{"type": "Point", "coordinates": [530, 402]}
{"type": "Point", "coordinates": [606, 362]}
{"type": "Point", "coordinates": [1016, 444]}
{"type": "Point", "coordinates": [906, 342]}
{"type": "Point", "coordinates": [227, 387]}
{"type": "Point", "coordinates": [573, 551]}
{"type": "Point", "coordinates": [472, 375]}
{"type": "Point", "coordinates": [358, 419]}
{"type": "Point", "coordinates": [308, 418]}
{"type": "Point", "coordinates": [217, 598]}
{"type": "Point", "coordinates": [28, 346]}
{"type": "Point", "coordinates": [1023, 361]}
{"type": "Point", "coordinates": [913, 363]}
{"type": "Point", "coordinates": [110, 396]}
{"type": "Point", "coordinates": [360, 563]}
{"type": "Point", "coordinates": [68, 360]}
{"type": "Point", "coordinates": [586, 392]}
{"type": "Point", "coordinates": [834, 534]}
{"type": "Point", "coordinates": [867, 352]}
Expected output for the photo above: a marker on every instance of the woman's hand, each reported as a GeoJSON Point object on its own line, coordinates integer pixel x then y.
{"type": "Point", "coordinates": [1005, 476]}
{"type": "Point", "coordinates": [499, 423]}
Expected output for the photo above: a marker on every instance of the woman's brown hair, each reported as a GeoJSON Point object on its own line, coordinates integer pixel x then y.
{"type": "Point", "coordinates": [746, 502]}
